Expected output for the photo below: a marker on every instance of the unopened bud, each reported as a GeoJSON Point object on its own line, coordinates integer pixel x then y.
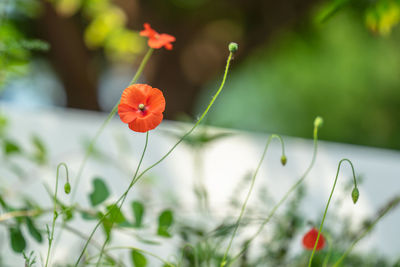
{"type": "Point", "coordinates": [318, 122]}
{"type": "Point", "coordinates": [67, 188]}
{"type": "Point", "coordinates": [283, 160]}
{"type": "Point", "coordinates": [355, 194]}
{"type": "Point", "coordinates": [233, 47]}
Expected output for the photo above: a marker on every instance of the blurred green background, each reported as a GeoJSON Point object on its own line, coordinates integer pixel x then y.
{"type": "Point", "coordinates": [339, 59]}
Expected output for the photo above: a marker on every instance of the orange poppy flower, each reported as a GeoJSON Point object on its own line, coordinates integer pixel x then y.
{"type": "Point", "coordinates": [310, 238]}
{"type": "Point", "coordinates": [141, 107]}
{"type": "Point", "coordinates": [157, 40]}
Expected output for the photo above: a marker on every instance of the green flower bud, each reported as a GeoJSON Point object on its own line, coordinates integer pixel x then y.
{"type": "Point", "coordinates": [318, 122]}
{"type": "Point", "coordinates": [283, 160]}
{"type": "Point", "coordinates": [355, 194]}
{"type": "Point", "coordinates": [233, 47]}
{"type": "Point", "coordinates": [67, 188]}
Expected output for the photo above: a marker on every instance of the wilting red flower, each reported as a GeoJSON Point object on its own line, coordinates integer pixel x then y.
{"type": "Point", "coordinates": [157, 40]}
{"type": "Point", "coordinates": [310, 238]}
{"type": "Point", "coordinates": [141, 106]}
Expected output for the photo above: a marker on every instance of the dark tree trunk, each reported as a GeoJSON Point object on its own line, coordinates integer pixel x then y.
{"type": "Point", "coordinates": [70, 58]}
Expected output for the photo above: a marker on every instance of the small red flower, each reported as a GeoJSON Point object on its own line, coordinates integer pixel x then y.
{"type": "Point", "coordinates": [141, 106]}
{"type": "Point", "coordinates": [157, 40]}
{"type": "Point", "coordinates": [310, 238]}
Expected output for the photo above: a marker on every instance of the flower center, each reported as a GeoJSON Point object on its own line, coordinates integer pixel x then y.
{"type": "Point", "coordinates": [141, 107]}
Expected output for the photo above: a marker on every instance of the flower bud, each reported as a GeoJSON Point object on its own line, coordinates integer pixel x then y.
{"type": "Point", "coordinates": [67, 188]}
{"type": "Point", "coordinates": [283, 160]}
{"type": "Point", "coordinates": [233, 47]}
{"type": "Point", "coordinates": [355, 194]}
{"type": "Point", "coordinates": [318, 122]}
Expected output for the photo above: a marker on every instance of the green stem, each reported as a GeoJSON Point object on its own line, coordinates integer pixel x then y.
{"type": "Point", "coordinates": [55, 214]}
{"type": "Point", "coordinates": [392, 204]}
{"type": "Point", "coordinates": [105, 123]}
{"type": "Point", "coordinates": [327, 204]}
{"type": "Point", "coordinates": [223, 262]}
{"type": "Point", "coordinates": [165, 156]}
{"type": "Point", "coordinates": [294, 187]}
{"type": "Point", "coordinates": [330, 248]}
{"type": "Point", "coordinates": [123, 199]}
{"type": "Point", "coordinates": [196, 263]}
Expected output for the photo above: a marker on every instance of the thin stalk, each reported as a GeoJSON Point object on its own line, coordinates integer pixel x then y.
{"type": "Point", "coordinates": [392, 204]}
{"type": "Point", "coordinates": [105, 123]}
{"type": "Point", "coordinates": [196, 260]}
{"type": "Point", "coordinates": [330, 248]}
{"type": "Point", "coordinates": [223, 262]}
{"type": "Point", "coordinates": [283, 199]}
{"type": "Point", "coordinates": [165, 156]}
{"type": "Point", "coordinates": [123, 200]}
{"type": "Point", "coordinates": [327, 204]}
{"type": "Point", "coordinates": [84, 237]}
{"type": "Point", "coordinates": [55, 214]}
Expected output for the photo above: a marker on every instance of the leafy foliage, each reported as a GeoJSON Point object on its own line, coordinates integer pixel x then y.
{"type": "Point", "coordinates": [100, 192]}
{"type": "Point", "coordinates": [165, 221]}
{"type": "Point", "coordinates": [138, 259]}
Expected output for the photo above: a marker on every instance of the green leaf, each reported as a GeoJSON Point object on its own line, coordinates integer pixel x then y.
{"type": "Point", "coordinates": [115, 214]}
{"type": "Point", "coordinates": [18, 243]}
{"type": "Point", "coordinates": [88, 216]}
{"type": "Point", "coordinates": [40, 154]}
{"type": "Point", "coordinates": [33, 230]}
{"type": "Point", "coordinates": [138, 212]}
{"type": "Point", "coordinates": [11, 148]}
{"type": "Point", "coordinates": [100, 192]}
{"type": "Point", "coordinates": [329, 9]}
{"type": "Point", "coordinates": [165, 221]}
{"type": "Point", "coordinates": [138, 259]}
{"type": "Point", "coordinates": [106, 223]}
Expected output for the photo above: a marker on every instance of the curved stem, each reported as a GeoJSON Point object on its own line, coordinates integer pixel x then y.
{"type": "Point", "coordinates": [392, 204]}
{"type": "Point", "coordinates": [105, 123]}
{"type": "Point", "coordinates": [283, 199]}
{"type": "Point", "coordinates": [55, 214]}
{"type": "Point", "coordinates": [327, 204]}
{"type": "Point", "coordinates": [253, 179]}
{"type": "Point", "coordinates": [123, 199]}
{"type": "Point", "coordinates": [166, 155]}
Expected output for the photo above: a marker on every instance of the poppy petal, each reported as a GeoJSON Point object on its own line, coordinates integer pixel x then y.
{"type": "Point", "coordinates": [148, 31]}
{"type": "Point", "coordinates": [156, 101]}
{"type": "Point", "coordinates": [167, 37]}
{"type": "Point", "coordinates": [155, 43]}
{"type": "Point", "coordinates": [127, 113]}
{"type": "Point", "coordinates": [310, 238]}
{"type": "Point", "coordinates": [135, 94]}
{"type": "Point", "coordinates": [146, 123]}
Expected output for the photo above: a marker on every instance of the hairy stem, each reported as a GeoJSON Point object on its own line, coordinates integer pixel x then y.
{"type": "Point", "coordinates": [105, 123]}
{"type": "Point", "coordinates": [388, 207]}
{"type": "Point", "coordinates": [55, 214]}
{"type": "Point", "coordinates": [165, 156]}
{"type": "Point", "coordinates": [284, 198]}
{"type": "Point", "coordinates": [223, 262]}
{"type": "Point", "coordinates": [327, 204]}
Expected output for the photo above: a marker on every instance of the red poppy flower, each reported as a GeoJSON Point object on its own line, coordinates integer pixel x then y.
{"type": "Point", "coordinates": [157, 40]}
{"type": "Point", "coordinates": [310, 238]}
{"type": "Point", "coordinates": [141, 106]}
